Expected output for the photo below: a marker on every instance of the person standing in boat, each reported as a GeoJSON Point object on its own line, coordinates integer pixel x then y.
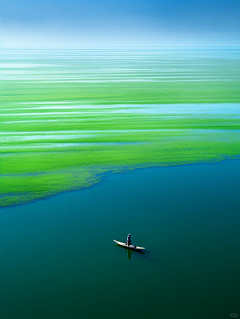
{"type": "Point", "coordinates": [129, 239]}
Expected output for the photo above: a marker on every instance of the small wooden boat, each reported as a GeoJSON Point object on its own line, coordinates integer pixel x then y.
{"type": "Point", "coordinates": [128, 247]}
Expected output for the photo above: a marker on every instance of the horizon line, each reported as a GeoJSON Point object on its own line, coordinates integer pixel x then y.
{"type": "Point", "coordinates": [119, 47]}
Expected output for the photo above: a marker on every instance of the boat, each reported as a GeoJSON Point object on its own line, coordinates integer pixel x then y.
{"type": "Point", "coordinates": [128, 246]}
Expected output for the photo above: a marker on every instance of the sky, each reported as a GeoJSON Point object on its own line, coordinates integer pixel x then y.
{"type": "Point", "coordinates": [110, 23]}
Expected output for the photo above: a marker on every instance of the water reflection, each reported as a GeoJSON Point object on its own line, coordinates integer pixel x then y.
{"type": "Point", "coordinates": [131, 251]}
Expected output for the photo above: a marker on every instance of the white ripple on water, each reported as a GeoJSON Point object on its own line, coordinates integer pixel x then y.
{"type": "Point", "coordinates": [61, 135]}
{"type": "Point", "coordinates": [211, 108]}
{"type": "Point", "coordinates": [42, 113]}
{"type": "Point", "coordinates": [87, 131]}
{"type": "Point", "coordinates": [26, 80]}
{"type": "Point", "coordinates": [65, 145]}
{"type": "Point", "coordinates": [72, 107]}
{"type": "Point", "coordinates": [9, 137]}
{"type": "Point", "coordinates": [32, 137]}
{"type": "Point", "coordinates": [22, 65]}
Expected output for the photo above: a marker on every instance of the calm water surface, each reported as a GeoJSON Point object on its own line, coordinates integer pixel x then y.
{"type": "Point", "coordinates": [58, 259]}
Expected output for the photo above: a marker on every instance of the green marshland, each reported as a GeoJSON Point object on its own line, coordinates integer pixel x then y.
{"type": "Point", "coordinates": [68, 117]}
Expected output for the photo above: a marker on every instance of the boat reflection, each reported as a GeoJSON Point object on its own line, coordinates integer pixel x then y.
{"type": "Point", "coordinates": [131, 251]}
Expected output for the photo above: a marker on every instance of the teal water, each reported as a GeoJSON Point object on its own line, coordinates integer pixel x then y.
{"type": "Point", "coordinates": [58, 259]}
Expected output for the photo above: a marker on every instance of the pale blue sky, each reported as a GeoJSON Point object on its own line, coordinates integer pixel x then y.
{"type": "Point", "coordinates": [100, 23]}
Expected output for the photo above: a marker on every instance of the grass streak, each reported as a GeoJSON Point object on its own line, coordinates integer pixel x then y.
{"type": "Point", "coordinates": [69, 117]}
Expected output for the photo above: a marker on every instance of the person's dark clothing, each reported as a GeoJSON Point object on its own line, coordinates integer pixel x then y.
{"type": "Point", "coordinates": [129, 240]}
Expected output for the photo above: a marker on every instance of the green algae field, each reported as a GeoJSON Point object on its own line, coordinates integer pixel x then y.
{"type": "Point", "coordinates": [67, 117]}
